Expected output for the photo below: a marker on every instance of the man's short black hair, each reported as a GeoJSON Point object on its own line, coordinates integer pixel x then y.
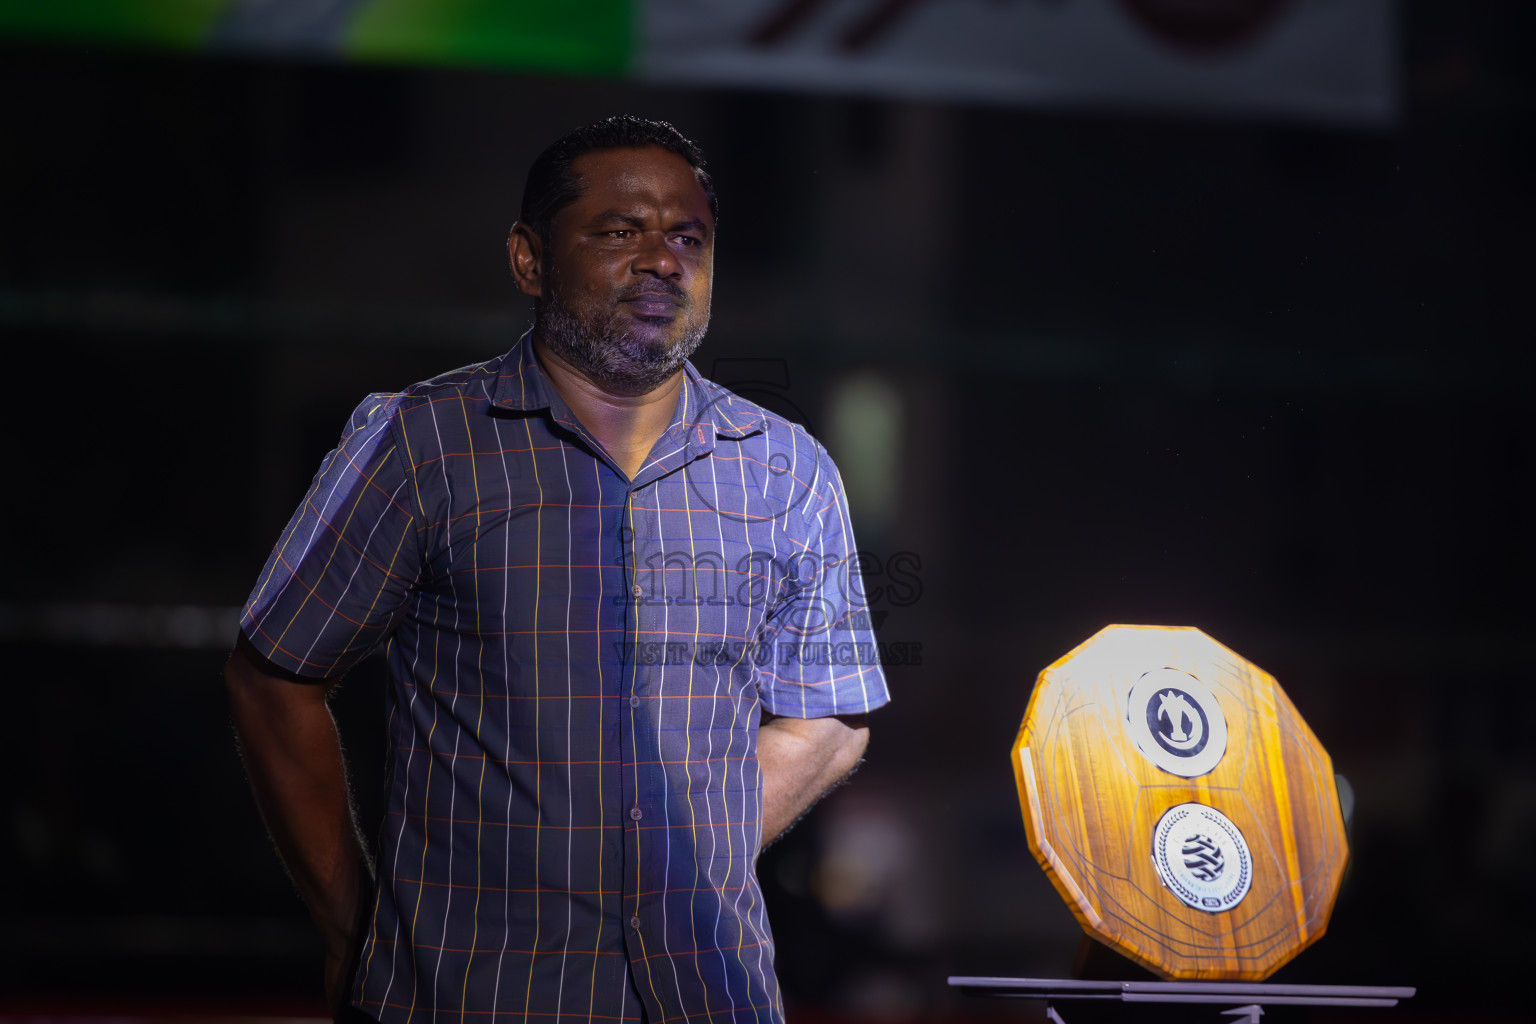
{"type": "Point", "coordinates": [552, 185]}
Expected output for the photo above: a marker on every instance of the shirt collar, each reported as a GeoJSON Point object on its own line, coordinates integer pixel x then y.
{"type": "Point", "coordinates": [707, 410]}
{"type": "Point", "coordinates": [521, 386]}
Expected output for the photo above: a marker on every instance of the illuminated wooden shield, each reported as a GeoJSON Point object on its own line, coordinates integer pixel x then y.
{"type": "Point", "coordinates": [1180, 805]}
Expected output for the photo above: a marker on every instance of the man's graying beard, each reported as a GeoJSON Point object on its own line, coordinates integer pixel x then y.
{"type": "Point", "coordinates": [610, 356]}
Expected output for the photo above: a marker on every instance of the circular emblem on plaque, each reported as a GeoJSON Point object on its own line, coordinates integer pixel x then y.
{"type": "Point", "coordinates": [1176, 722]}
{"type": "Point", "coordinates": [1202, 857]}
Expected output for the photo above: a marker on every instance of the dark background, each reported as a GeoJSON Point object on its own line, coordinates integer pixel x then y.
{"type": "Point", "coordinates": [1260, 378]}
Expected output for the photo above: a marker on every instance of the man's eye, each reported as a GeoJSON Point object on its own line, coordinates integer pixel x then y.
{"type": "Point", "coordinates": [619, 233]}
{"type": "Point", "coordinates": [688, 240]}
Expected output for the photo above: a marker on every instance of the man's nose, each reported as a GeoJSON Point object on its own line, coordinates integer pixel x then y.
{"type": "Point", "coordinates": [656, 257]}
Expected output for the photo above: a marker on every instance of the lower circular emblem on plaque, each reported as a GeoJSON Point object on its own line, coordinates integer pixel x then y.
{"type": "Point", "coordinates": [1202, 857]}
{"type": "Point", "coordinates": [1176, 722]}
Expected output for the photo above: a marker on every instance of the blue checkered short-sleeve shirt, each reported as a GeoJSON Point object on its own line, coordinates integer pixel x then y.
{"type": "Point", "coordinates": [579, 663]}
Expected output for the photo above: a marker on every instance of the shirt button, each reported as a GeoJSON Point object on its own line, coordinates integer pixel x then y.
{"type": "Point", "coordinates": [634, 923]}
{"type": "Point", "coordinates": [634, 702]}
{"type": "Point", "coordinates": [634, 812]}
{"type": "Point", "coordinates": [637, 591]}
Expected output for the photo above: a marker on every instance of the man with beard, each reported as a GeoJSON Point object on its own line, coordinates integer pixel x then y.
{"type": "Point", "coordinates": [624, 638]}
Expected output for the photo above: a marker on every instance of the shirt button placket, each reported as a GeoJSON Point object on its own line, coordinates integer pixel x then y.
{"type": "Point", "coordinates": [637, 596]}
{"type": "Point", "coordinates": [635, 814]}
{"type": "Point", "coordinates": [638, 592]}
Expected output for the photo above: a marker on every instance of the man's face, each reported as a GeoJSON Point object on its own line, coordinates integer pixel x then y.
{"type": "Point", "coordinates": [627, 269]}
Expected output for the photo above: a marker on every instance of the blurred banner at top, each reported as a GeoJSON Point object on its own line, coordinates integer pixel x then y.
{"type": "Point", "coordinates": [1317, 60]}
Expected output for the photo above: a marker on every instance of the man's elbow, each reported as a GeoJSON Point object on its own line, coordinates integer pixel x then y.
{"type": "Point", "coordinates": [852, 743]}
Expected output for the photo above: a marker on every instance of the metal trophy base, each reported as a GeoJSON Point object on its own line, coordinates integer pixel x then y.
{"type": "Point", "coordinates": [1246, 999]}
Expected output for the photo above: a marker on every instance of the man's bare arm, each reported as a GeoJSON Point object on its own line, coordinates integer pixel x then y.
{"type": "Point", "coordinates": [292, 755]}
{"type": "Point", "coordinates": [801, 759]}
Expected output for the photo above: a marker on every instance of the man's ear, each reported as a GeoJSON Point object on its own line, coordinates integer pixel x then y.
{"type": "Point", "coordinates": [525, 255]}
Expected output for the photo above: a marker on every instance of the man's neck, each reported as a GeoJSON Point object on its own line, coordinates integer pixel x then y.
{"type": "Point", "coordinates": [627, 426]}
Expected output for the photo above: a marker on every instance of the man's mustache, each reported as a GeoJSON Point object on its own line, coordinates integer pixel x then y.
{"type": "Point", "coordinates": [655, 288]}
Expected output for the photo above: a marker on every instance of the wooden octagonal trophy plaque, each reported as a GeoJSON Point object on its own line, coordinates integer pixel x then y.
{"type": "Point", "coordinates": [1180, 804]}
{"type": "Point", "coordinates": [1188, 817]}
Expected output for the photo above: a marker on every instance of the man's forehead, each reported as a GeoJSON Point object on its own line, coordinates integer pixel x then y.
{"type": "Point", "coordinates": [649, 175]}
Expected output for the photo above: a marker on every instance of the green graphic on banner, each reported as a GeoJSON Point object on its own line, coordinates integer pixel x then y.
{"type": "Point", "coordinates": [579, 36]}
{"type": "Point", "coordinates": [592, 36]}
{"type": "Point", "coordinates": [182, 24]}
